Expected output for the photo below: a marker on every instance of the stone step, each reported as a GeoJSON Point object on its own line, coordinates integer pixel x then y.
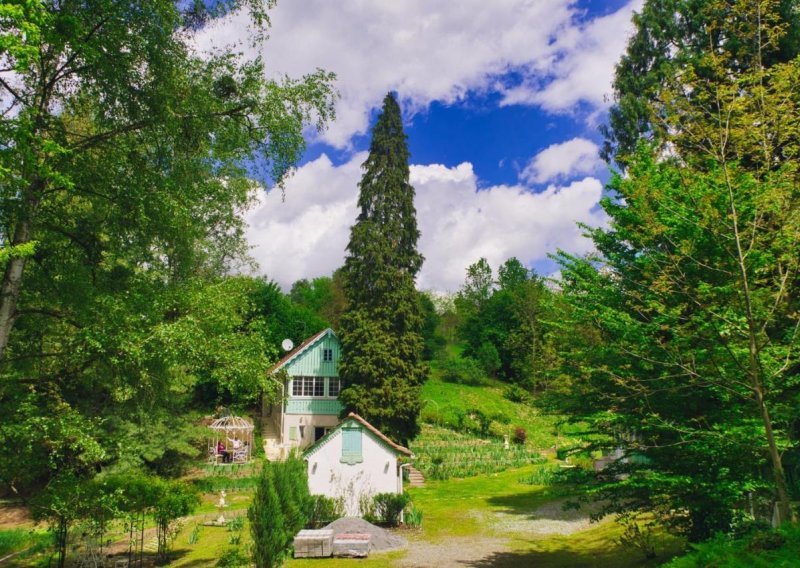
{"type": "Point", "coordinates": [415, 477]}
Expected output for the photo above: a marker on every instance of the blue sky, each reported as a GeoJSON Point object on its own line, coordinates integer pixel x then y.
{"type": "Point", "coordinates": [502, 102]}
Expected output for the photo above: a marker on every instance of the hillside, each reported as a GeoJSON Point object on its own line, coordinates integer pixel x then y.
{"type": "Point", "coordinates": [464, 426]}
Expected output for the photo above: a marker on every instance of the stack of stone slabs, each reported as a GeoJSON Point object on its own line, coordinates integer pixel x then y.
{"type": "Point", "coordinates": [351, 545]}
{"type": "Point", "coordinates": [313, 543]}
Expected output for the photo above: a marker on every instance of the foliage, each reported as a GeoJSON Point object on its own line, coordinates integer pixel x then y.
{"type": "Point", "coordinates": [284, 318]}
{"type": "Point", "coordinates": [267, 523]}
{"type": "Point", "coordinates": [545, 475]}
{"type": "Point", "coordinates": [671, 36]}
{"type": "Point", "coordinates": [504, 325]}
{"type": "Point", "coordinates": [444, 454]}
{"type": "Point", "coordinates": [281, 507]}
{"type": "Point", "coordinates": [174, 500]}
{"type": "Point", "coordinates": [683, 329]}
{"type": "Point", "coordinates": [324, 510]}
{"type": "Point", "coordinates": [382, 346]}
{"type": "Point", "coordinates": [488, 358]}
{"type": "Point", "coordinates": [726, 552]}
{"type": "Point", "coordinates": [233, 557]}
{"type": "Point", "coordinates": [637, 536]}
{"type": "Point", "coordinates": [517, 394]}
{"type": "Point", "coordinates": [386, 508]}
{"type": "Point", "coordinates": [413, 517]}
{"type": "Point", "coordinates": [520, 435]}
{"type": "Point", "coordinates": [462, 371]}
{"type": "Point", "coordinates": [215, 484]}
{"type": "Point", "coordinates": [324, 296]}
{"type": "Point", "coordinates": [123, 172]}
{"type": "Point", "coordinates": [432, 339]}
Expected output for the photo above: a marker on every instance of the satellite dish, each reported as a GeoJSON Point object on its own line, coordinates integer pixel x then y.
{"type": "Point", "coordinates": [287, 345]}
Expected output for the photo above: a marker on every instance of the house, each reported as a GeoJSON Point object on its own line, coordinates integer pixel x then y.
{"type": "Point", "coordinates": [309, 386]}
{"type": "Point", "coordinates": [353, 462]}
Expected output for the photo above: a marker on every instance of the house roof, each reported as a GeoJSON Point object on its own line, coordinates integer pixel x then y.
{"type": "Point", "coordinates": [300, 349]}
{"type": "Point", "coordinates": [381, 437]}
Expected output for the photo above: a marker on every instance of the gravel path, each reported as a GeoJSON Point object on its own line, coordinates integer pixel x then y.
{"type": "Point", "coordinates": [382, 540]}
{"type": "Point", "coordinates": [452, 553]}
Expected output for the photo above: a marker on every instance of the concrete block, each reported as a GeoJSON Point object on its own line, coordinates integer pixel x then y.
{"type": "Point", "coordinates": [313, 543]}
{"type": "Point", "coordinates": [351, 545]}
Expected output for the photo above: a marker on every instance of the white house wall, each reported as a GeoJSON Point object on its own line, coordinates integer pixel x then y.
{"type": "Point", "coordinates": [305, 424]}
{"type": "Point", "coordinates": [377, 473]}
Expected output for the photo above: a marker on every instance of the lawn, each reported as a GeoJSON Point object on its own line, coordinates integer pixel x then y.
{"type": "Point", "coordinates": [494, 509]}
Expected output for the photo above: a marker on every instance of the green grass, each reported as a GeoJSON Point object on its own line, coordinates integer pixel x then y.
{"type": "Point", "coordinates": [28, 542]}
{"type": "Point", "coordinates": [444, 404]}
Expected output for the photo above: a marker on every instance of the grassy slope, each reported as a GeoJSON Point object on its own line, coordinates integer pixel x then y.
{"type": "Point", "coordinates": [443, 401]}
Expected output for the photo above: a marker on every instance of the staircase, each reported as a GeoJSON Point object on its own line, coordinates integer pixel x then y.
{"type": "Point", "coordinates": [415, 477]}
{"type": "Point", "coordinates": [272, 440]}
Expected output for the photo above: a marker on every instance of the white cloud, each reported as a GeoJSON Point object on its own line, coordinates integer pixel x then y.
{"type": "Point", "coordinates": [306, 235]}
{"type": "Point", "coordinates": [582, 66]}
{"type": "Point", "coordinates": [432, 50]}
{"type": "Point", "coordinates": [566, 160]}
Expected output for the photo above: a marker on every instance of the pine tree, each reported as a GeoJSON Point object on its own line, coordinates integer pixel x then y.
{"type": "Point", "coordinates": [382, 345]}
{"type": "Point", "coordinates": [267, 522]}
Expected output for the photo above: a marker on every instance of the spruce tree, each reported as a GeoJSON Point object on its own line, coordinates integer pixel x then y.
{"type": "Point", "coordinates": [381, 365]}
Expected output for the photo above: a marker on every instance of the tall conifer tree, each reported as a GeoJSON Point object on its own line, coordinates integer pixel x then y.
{"type": "Point", "coordinates": [381, 365]}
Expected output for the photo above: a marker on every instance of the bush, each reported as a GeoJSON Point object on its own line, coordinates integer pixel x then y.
{"type": "Point", "coordinates": [413, 517]}
{"type": "Point", "coordinates": [386, 508]}
{"type": "Point", "coordinates": [280, 508]}
{"type": "Point", "coordinates": [324, 510]}
{"type": "Point", "coordinates": [637, 538]}
{"type": "Point", "coordinates": [233, 557]}
{"type": "Point", "coordinates": [488, 358]}
{"type": "Point", "coordinates": [759, 548]}
{"type": "Point", "coordinates": [464, 371]}
{"type": "Point", "coordinates": [520, 435]}
{"type": "Point", "coordinates": [516, 393]}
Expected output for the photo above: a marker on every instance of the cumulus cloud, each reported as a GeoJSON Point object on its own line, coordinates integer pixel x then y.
{"type": "Point", "coordinates": [566, 160]}
{"type": "Point", "coordinates": [306, 235]}
{"type": "Point", "coordinates": [429, 51]}
{"type": "Point", "coordinates": [581, 67]}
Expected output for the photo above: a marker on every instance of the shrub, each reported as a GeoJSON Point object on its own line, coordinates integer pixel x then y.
{"type": "Point", "coordinates": [386, 508]}
{"type": "Point", "coordinates": [637, 538]}
{"type": "Point", "coordinates": [520, 435]}
{"type": "Point", "coordinates": [488, 358]}
{"type": "Point", "coordinates": [516, 393]}
{"type": "Point", "coordinates": [233, 557]}
{"type": "Point", "coordinates": [413, 517]}
{"type": "Point", "coordinates": [464, 371]}
{"type": "Point", "coordinates": [766, 540]}
{"type": "Point", "coordinates": [324, 510]}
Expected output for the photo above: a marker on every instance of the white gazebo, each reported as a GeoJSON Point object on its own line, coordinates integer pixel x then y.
{"type": "Point", "coordinates": [232, 440]}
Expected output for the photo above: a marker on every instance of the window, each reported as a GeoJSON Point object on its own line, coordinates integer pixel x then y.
{"type": "Point", "coordinates": [327, 355]}
{"type": "Point", "coordinates": [308, 386]}
{"type": "Point", "coordinates": [293, 433]}
{"type": "Point", "coordinates": [351, 445]}
{"type": "Point", "coordinates": [334, 386]}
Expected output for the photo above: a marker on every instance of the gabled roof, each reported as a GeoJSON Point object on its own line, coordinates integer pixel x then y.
{"type": "Point", "coordinates": [308, 343]}
{"type": "Point", "coordinates": [377, 434]}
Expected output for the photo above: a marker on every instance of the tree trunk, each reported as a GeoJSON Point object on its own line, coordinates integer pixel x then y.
{"type": "Point", "coordinates": [12, 284]}
{"type": "Point", "coordinates": [784, 504]}
{"type": "Point", "coordinates": [12, 278]}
